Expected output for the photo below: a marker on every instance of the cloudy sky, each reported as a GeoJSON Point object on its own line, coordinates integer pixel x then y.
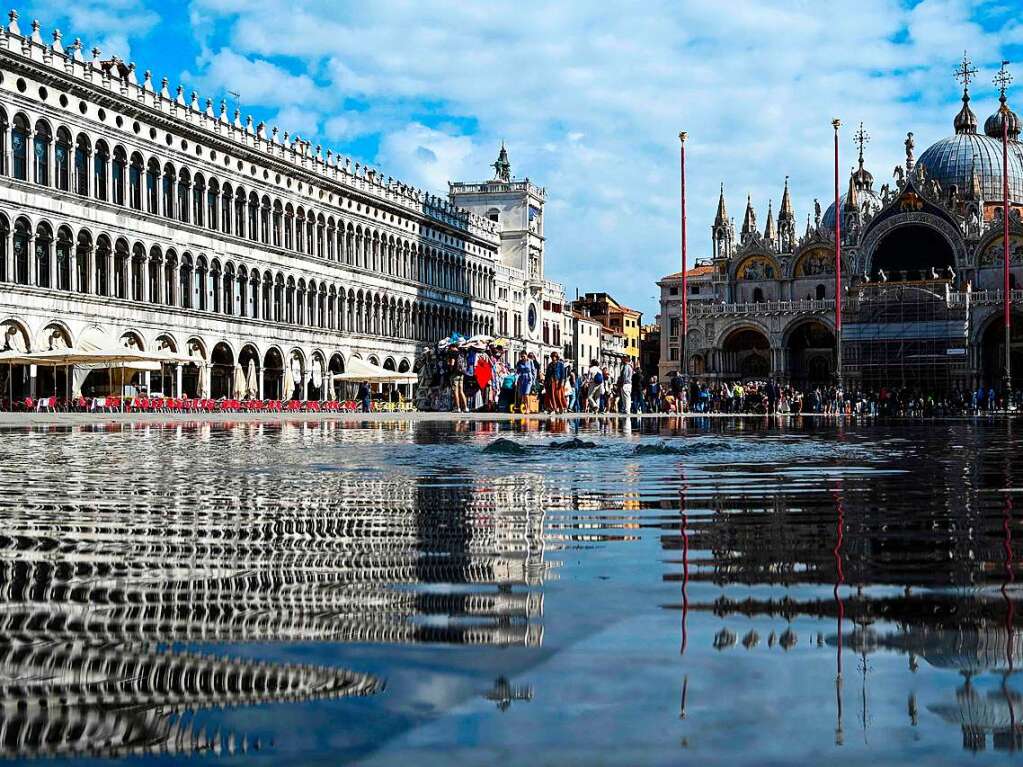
{"type": "Point", "coordinates": [588, 96]}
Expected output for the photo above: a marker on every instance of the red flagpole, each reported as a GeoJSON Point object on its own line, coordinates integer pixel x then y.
{"type": "Point", "coordinates": [685, 280]}
{"type": "Point", "coordinates": [1006, 295]}
{"type": "Point", "coordinates": [836, 124]}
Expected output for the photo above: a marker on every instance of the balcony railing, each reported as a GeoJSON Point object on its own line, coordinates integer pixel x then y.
{"type": "Point", "coordinates": [764, 307]}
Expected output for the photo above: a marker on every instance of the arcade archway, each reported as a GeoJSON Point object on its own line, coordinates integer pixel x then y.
{"type": "Point", "coordinates": [273, 374]}
{"type": "Point", "coordinates": [912, 252]}
{"type": "Point", "coordinates": [811, 354]}
{"type": "Point", "coordinates": [992, 351]}
{"type": "Point", "coordinates": [746, 353]}
{"type": "Point", "coordinates": [221, 371]}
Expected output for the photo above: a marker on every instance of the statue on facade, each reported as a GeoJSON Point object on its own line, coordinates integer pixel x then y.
{"type": "Point", "coordinates": [817, 213]}
{"type": "Point", "coordinates": [900, 176]}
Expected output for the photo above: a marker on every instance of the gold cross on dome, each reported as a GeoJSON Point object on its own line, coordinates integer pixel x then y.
{"type": "Point", "coordinates": [861, 138]}
{"type": "Point", "coordinates": [1002, 79]}
{"type": "Point", "coordinates": [965, 72]}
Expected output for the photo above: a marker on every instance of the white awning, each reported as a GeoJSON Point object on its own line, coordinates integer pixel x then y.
{"type": "Point", "coordinates": [360, 370]}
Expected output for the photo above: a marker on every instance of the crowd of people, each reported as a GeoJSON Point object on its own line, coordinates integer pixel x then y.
{"type": "Point", "coordinates": [474, 375]}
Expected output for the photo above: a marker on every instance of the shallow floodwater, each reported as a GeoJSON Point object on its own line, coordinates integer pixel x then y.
{"type": "Point", "coordinates": [708, 592]}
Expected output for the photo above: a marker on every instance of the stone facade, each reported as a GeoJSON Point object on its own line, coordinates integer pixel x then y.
{"type": "Point", "coordinates": [136, 215]}
{"type": "Point", "coordinates": [921, 273]}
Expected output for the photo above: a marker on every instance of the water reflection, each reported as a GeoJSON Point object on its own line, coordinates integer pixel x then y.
{"type": "Point", "coordinates": [151, 574]}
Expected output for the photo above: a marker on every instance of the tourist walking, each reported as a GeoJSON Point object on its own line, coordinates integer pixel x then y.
{"type": "Point", "coordinates": [595, 392]}
{"type": "Point", "coordinates": [625, 387]}
{"type": "Point", "coordinates": [364, 396]}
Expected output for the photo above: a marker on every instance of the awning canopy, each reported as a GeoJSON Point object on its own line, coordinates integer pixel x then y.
{"type": "Point", "coordinates": [96, 358]}
{"type": "Point", "coordinates": [360, 370]}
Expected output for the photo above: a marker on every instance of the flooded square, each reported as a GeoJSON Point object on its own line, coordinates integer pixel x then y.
{"type": "Point", "coordinates": [603, 591]}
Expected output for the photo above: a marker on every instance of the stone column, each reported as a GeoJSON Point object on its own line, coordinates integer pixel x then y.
{"type": "Point", "coordinates": [144, 268]}
{"type": "Point", "coordinates": [53, 264]}
{"type": "Point", "coordinates": [111, 291]}
{"type": "Point", "coordinates": [9, 253]}
{"type": "Point", "coordinates": [73, 285]}
{"type": "Point", "coordinates": [31, 246]}
{"type": "Point", "coordinates": [305, 384]}
{"type": "Point", "coordinates": [179, 391]}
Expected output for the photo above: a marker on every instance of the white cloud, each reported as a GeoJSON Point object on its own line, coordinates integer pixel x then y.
{"type": "Point", "coordinates": [590, 97]}
{"type": "Point", "coordinates": [425, 157]}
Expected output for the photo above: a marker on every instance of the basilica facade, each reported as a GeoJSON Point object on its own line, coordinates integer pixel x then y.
{"type": "Point", "coordinates": [133, 214]}
{"type": "Point", "coordinates": [921, 273]}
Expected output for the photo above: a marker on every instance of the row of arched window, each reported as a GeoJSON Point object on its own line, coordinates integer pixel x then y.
{"type": "Point", "coordinates": [112, 266]}
{"type": "Point", "coordinates": [128, 179]}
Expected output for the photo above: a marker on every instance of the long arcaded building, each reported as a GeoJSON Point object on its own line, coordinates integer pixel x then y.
{"type": "Point", "coordinates": [142, 216]}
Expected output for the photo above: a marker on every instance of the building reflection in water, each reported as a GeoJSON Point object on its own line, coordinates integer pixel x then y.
{"type": "Point", "coordinates": [100, 583]}
{"type": "Point", "coordinates": [947, 544]}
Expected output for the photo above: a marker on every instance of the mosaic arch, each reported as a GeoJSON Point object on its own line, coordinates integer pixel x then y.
{"type": "Point", "coordinates": [991, 255]}
{"type": "Point", "coordinates": [757, 268]}
{"type": "Point", "coordinates": [815, 262]}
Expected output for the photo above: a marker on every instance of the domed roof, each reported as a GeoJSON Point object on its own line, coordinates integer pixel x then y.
{"type": "Point", "coordinates": [995, 124]}
{"type": "Point", "coordinates": [867, 199]}
{"type": "Point", "coordinates": [953, 160]}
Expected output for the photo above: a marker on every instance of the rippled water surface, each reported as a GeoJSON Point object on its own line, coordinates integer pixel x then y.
{"type": "Point", "coordinates": [713, 592]}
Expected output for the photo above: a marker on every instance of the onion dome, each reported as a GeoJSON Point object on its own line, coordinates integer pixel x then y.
{"type": "Point", "coordinates": [966, 120]}
{"type": "Point", "coordinates": [996, 123]}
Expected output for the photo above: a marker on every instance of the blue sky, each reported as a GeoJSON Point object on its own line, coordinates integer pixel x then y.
{"type": "Point", "coordinates": [589, 97]}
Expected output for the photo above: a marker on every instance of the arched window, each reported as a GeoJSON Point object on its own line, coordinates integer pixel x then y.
{"type": "Point", "coordinates": [102, 282]}
{"type": "Point", "coordinates": [264, 221]}
{"type": "Point", "coordinates": [300, 230]}
{"type": "Point", "coordinates": [228, 300]}
{"type": "Point", "coordinates": [41, 155]}
{"type": "Point", "coordinates": [289, 227]}
{"type": "Point", "coordinates": [215, 291]}
{"type": "Point", "coordinates": [240, 200]}
{"type": "Point", "coordinates": [184, 192]}
{"type": "Point", "coordinates": [169, 177]}
{"type": "Point", "coordinates": [43, 241]}
{"type": "Point", "coordinates": [152, 186]}
{"type": "Point", "coordinates": [820, 292]}
{"type": "Point", "coordinates": [62, 159]}
{"type": "Point", "coordinates": [225, 210]}
{"type": "Point", "coordinates": [99, 170]}
{"type": "Point", "coordinates": [155, 276]}
{"type": "Point", "coordinates": [185, 281]}
{"type": "Point", "coordinates": [212, 204]}
{"type": "Point", "coordinates": [22, 235]}
{"type": "Point", "coordinates": [64, 258]}
{"type": "Point", "coordinates": [138, 272]}
{"type": "Point", "coordinates": [758, 296]}
{"type": "Point", "coordinates": [201, 285]}
{"type": "Point", "coordinates": [83, 264]}
{"type": "Point", "coordinates": [83, 150]}
{"type": "Point", "coordinates": [135, 182]}
{"type": "Point", "coordinates": [278, 223]}
{"type": "Point", "coordinates": [121, 262]}
{"type": "Point", "coordinates": [253, 215]}
{"type": "Point", "coordinates": [278, 298]}
{"type": "Point", "coordinates": [320, 229]}
{"type": "Point", "coordinates": [198, 199]}
{"type": "Point", "coordinates": [19, 147]}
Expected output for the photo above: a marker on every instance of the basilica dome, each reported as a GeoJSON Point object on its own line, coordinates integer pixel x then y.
{"type": "Point", "coordinates": [955, 159]}
{"type": "Point", "coordinates": [867, 200]}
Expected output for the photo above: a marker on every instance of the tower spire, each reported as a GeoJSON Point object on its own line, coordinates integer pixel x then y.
{"type": "Point", "coordinates": [785, 212]}
{"type": "Point", "coordinates": [770, 232]}
{"type": "Point", "coordinates": [749, 221]}
{"type": "Point", "coordinates": [721, 218]}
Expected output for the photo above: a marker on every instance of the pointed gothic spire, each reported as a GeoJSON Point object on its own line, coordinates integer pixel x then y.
{"type": "Point", "coordinates": [785, 212]}
{"type": "Point", "coordinates": [502, 168]}
{"type": "Point", "coordinates": [808, 229]}
{"type": "Point", "coordinates": [770, 230]}
{"type": "Point", "coordinates": [721, 219]}
{"type": "Point", "coordinates": [749, 221]}
{"type": "Point", "coordinates": [852, 199]}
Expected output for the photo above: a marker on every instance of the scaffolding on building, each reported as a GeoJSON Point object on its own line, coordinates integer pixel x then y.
{"type": "Point", "coordinates": [907, 335]}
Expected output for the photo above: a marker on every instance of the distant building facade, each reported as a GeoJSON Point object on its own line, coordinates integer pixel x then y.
{"type": "Point", "coordinates": [921, 272]}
